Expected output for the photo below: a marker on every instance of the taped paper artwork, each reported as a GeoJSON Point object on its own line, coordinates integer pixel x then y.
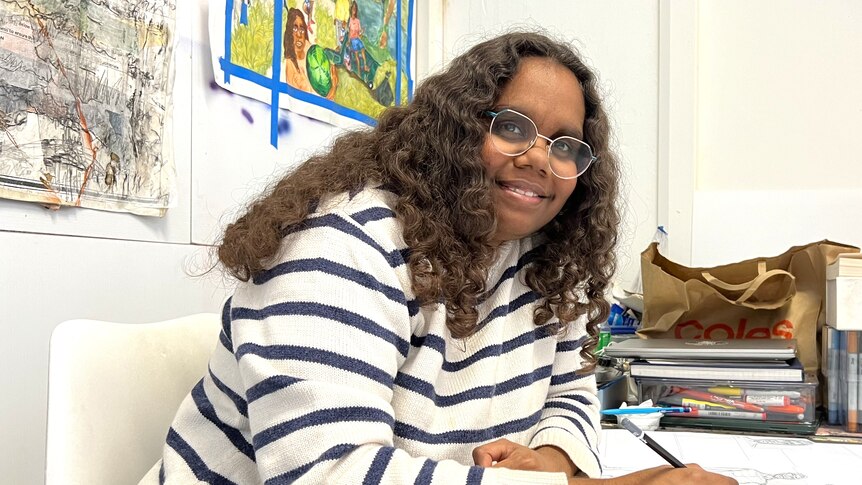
{"type": "Point", "coordinates": [339, 61]}
{"type": "Point", "coordinates": [85, 104]}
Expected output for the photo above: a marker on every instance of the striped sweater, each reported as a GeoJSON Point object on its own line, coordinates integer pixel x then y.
{"type": "Point", "coordinates": [328, 371]}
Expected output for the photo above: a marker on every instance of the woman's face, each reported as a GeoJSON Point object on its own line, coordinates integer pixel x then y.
{"type": "Point", "coordinates": [527, 195]}
{"type": "Point", "coordinates": [298, 35]}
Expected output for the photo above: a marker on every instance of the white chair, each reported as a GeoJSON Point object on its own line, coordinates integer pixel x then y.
{"type": "Point", "coordinates": [113, 390]}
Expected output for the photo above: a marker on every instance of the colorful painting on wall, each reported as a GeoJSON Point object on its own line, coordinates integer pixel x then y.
{"type": "Point", "coordinates": [339, 61]}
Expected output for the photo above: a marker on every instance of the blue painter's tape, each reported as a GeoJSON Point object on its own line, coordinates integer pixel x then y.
{"type": "Point", "coordinates": [409, 51]}
{"type": "Point", "coordinates": [397, 52]}
{"type": "Point", "coordinates": [228, 19]}
{"type": "Point", "coordinates": [276, 72]}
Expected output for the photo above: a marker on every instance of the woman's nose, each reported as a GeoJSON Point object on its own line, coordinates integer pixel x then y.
{"type": "Point", "coordinates": [536, 157]}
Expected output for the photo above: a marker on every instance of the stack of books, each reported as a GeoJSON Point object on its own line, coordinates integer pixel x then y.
{"type": "Point", "coordinates": [842, 342]}
{"type": "Point", "coordinates": [725, 383]}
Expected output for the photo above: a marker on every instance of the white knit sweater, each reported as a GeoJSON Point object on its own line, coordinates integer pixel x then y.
{"type": "Point", "coordinates": [328, 371]}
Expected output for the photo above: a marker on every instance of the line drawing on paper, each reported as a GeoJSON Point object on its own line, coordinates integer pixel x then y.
{"type": "Point", "coordinates": [85, 96]}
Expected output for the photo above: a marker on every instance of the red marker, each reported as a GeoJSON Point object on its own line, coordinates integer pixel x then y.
{"type": "Point", "coordinates": [705, 396]}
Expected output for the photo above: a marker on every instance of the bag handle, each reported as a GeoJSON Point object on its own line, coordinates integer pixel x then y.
{"type": "Point", "coordinates": [761, 268]}
{"type": "Point", "coordinates": [750, 288]}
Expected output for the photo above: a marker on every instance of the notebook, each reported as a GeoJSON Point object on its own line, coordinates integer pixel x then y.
{"type": "Point", "coordinates": [791, 371]}
{"type": "Point", "coordinates": [699, 349]}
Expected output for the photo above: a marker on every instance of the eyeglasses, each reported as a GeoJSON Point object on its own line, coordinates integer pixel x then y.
{"type": "Point", "coordinates": [513, 134]}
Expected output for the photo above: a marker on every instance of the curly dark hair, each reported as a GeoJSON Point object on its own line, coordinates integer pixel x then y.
{"type": "Point", "coordinates": [428, 154]}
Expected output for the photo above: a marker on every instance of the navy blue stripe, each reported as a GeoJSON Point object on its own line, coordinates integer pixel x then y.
{"type": "Point", "coordinates": [269, 385]}
{"type": "Point", "coordinates": [238, 401]}
{"type": "Point", "coordinates": [431, 341]}
{"type": "Point", "coordinates": [413, 307]}
{"type": "Point", "coordinates": [571, 345]}
{"type": "Point", "coordinates": [525, 338]}
{"type": "Point", "coordinates": [474, 476]}
{"type": "Point", "coordinates": [378, 465]}
{"type": "Point", "coordinates": [207, 410]}
{"type": "Point", "coordinates": [577, 398]}
{"type": "Point", "coordinates": [334, 313]}
{"type": "Point", "coordinates": [426, 389]}
{"type": "Point", "coordinates": [426, 473]}
{"type": "Point", "coordinates": [318, 356]}
{"type": "Point", "coordinates": [575, 422]}
{"type": "Point", "coordinates": [194, 461]}
{"type": "Point", "coordinates": [409, 432]}
{"type": "Point", "coordinates": [568, 407]}
{"type": "Point", "coordinates": [335, 269]}
{"type": "Point", "coordinates": [437, 343]}
{"type": "Point", "coordinates": [373, 214]}
{"type": "Point", "coordinates": [162, 473]}
{"type": "Point", "coordinates": [509, 307]}
{"type": "Point", "coordinates": [291, 476]}
{"type": "Point", "coordinates": [321, 417]}
{"type": "Point", "coordinates": [334, 221]}
{"type": "Point", "coordinates": [598, 462]}
{"type": "Point", "coordinates": [567, 377]}
{"type": "Point", "coordinates": [510, 272]}
{"type": "Point", "coordinates": [225, 322]}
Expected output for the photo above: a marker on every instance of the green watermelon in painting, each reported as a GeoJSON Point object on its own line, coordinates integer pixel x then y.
{"type": "Point", "coordinates": [318, 68]}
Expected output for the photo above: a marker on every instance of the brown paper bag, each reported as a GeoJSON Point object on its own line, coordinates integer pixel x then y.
{"type": "Point", "coordinates": [774, 297]}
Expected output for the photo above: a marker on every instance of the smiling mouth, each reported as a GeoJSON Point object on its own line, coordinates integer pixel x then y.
{"type": "Point", "coordinates": [521, 191]}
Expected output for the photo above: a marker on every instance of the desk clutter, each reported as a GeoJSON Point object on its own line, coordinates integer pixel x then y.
{"type": "Point", "coordinates": [739, 346]}
{"type": "Point", "coordinates": [750, 385]}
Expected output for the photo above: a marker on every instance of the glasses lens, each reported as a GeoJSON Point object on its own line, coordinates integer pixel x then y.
{"type": "Point", "coordinates": [570, 157]}
{"type": "Point", "coordinates": [512, 133]}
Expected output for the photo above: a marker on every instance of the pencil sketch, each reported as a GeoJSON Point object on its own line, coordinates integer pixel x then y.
{"type": "Point", "coordinates": [85, 103]}
{"type": "Point", "coordinates": [750, 460]}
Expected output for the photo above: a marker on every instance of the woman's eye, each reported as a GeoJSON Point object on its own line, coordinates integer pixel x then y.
{"type": "Point", "coordinates": [511, 128]}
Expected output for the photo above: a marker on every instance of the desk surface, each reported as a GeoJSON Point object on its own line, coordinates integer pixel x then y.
{"type": "Point", "coordinates": [750, 459]}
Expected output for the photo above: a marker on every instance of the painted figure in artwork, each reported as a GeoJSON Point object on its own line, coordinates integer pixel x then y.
{"type": "Point", "coordinates": [354, 35]}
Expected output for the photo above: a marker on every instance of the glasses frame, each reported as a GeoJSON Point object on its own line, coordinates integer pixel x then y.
{"type": "Point", "coordinates": [494, 114]}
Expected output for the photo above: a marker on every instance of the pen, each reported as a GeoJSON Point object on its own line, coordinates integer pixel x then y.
{"type": "Point", "coordinates": [645, 410]}
{"type": "Point", "coordinates": [639, 434]}
{"type": "Point", "coordinates": [720, 413]}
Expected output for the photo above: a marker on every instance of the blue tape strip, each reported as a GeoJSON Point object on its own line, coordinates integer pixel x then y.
{"type": "Point", "coordinates": [228, 19]}
{"type": "Point", "coordinates": [409, 51]}
{"type": "Point", "coordinates": [397, 52]}
{"type": "Point", "coordinates": [276, 72]}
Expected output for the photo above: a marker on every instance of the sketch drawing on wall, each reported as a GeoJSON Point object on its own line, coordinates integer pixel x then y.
{"type": "Point", "coordinates": [85, 103]}
{"type": "Point", "coordinates": [339, 61]}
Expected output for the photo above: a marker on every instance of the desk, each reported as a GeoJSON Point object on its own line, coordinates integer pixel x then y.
{"type": "Point", "coordinates": [750, 459]}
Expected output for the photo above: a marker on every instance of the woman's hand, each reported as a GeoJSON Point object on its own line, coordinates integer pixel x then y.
{"type": "Point", "coordinates": [663, 475]}
{"type": "Point", "coordinates": [506, 454]}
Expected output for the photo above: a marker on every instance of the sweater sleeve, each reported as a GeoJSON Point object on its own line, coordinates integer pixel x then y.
{"type": "Point", "coordinates": [319, 339]}
{"type": "Point", "coordinates": [570, 418]}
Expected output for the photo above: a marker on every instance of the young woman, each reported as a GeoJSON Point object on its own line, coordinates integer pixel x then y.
{"type": "Point", "coordinates": [420, 304]}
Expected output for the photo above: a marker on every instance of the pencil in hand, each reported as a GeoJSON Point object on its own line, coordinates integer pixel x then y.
{"type": "Point", "coordinates": [639, 434]}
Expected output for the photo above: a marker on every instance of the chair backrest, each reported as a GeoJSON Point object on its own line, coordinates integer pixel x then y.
{"type": "Point", "coordinates": [113, 390]}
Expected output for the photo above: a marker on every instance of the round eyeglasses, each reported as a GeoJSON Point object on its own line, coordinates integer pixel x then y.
{"type": "Point", "coordinates": [513, 134]}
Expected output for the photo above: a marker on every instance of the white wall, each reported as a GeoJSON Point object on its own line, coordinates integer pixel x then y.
{"type": "Point", "coordinates": [776, 150]}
